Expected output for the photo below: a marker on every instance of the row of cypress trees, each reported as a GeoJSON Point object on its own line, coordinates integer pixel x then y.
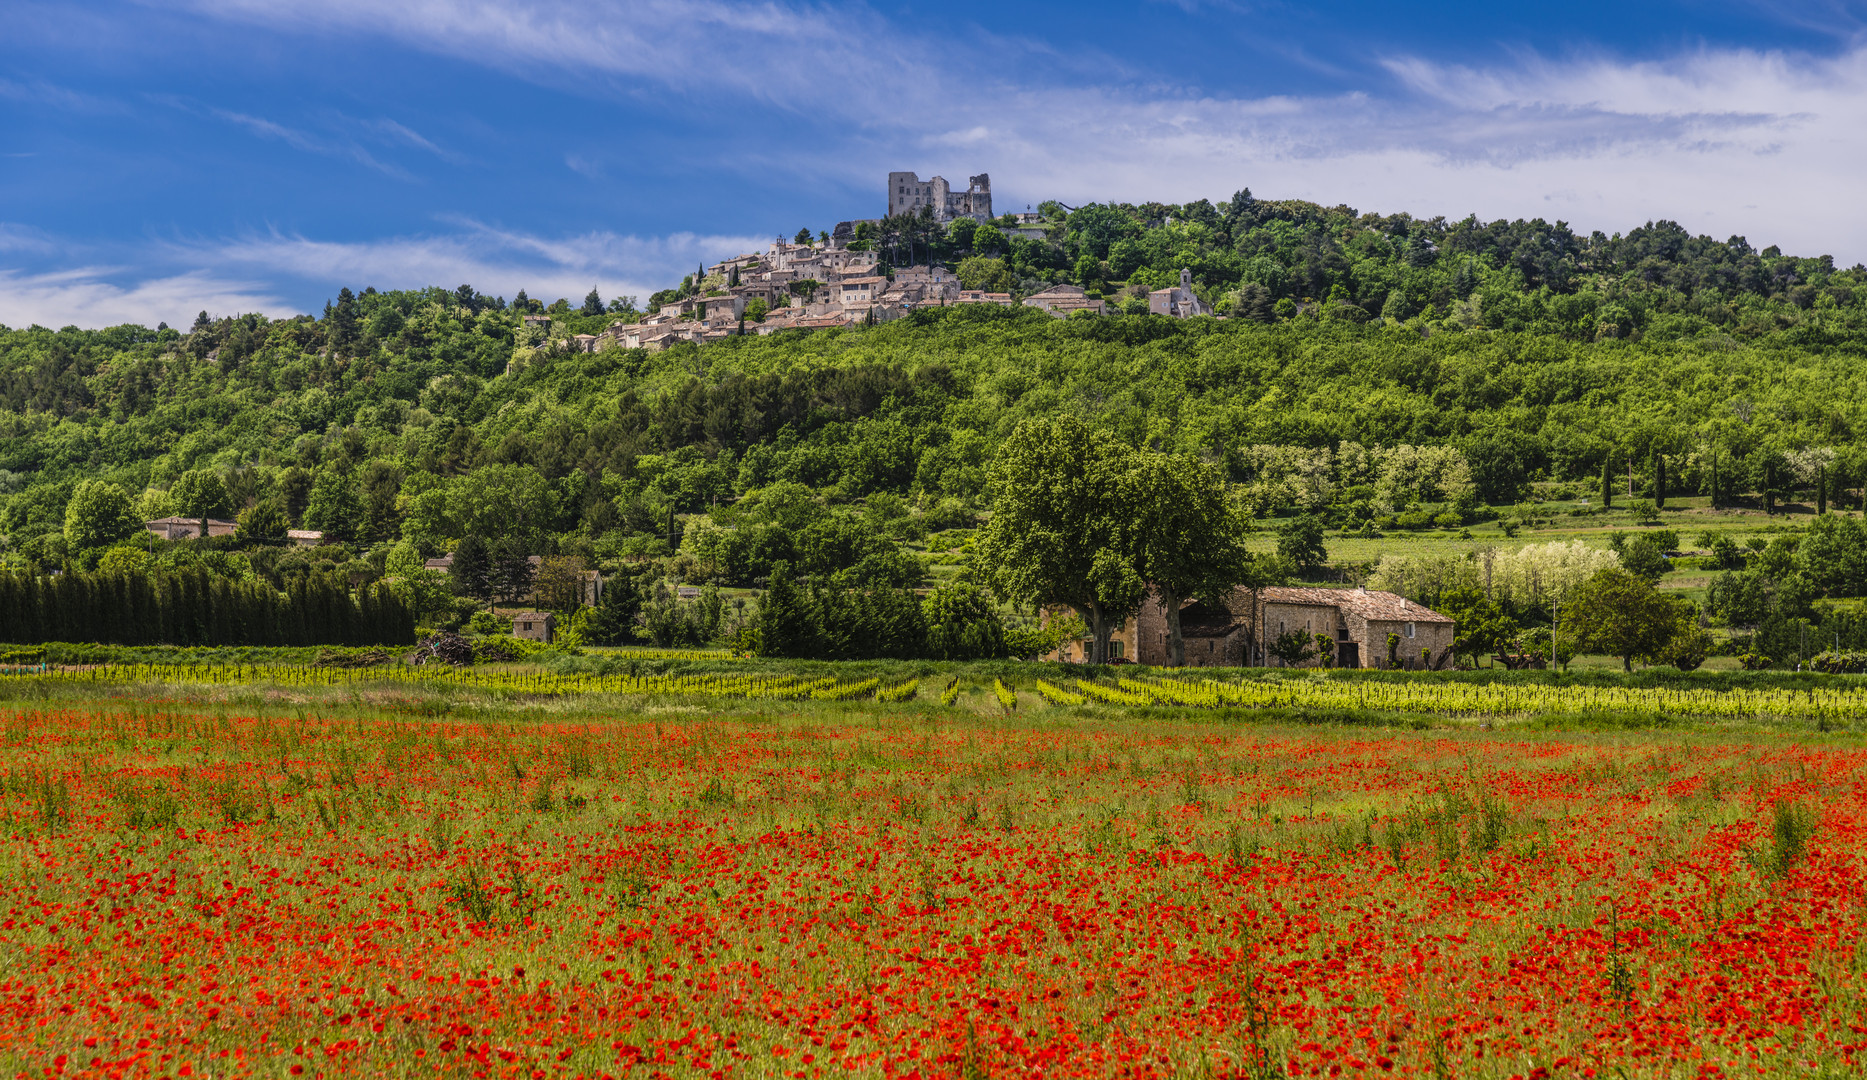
{"type": "Point", "coordinates": [818, 621]}
{"type": "Point", "coordinates": [192, 607]}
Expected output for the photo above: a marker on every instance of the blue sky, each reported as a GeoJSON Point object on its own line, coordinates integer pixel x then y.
{"type": "Point", "coordinates": [162, 157]}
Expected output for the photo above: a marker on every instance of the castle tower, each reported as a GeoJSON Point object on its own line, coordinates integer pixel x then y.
{"type": "Point", "coordinates": [908, 193]}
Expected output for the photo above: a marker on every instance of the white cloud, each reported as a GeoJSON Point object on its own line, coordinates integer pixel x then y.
{"type": "Point", "coordinates": [311, 144]}
{"type": "Point", "coordinates": [175, 280]}
{"type": "Point", "coordinates": [1763, 143]}
{"type": "Point", "coordinates": [492, 260]}
{"type": "Point", "coordinates": [92, 297]}
{"type": "Point", "coordinates": [25, 239]}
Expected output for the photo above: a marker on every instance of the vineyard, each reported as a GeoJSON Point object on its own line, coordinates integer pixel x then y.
{"type": "Point", "coordinates": [1837, 703]}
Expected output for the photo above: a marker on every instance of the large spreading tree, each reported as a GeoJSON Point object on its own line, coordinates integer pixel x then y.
{"type": "Point", "coordinates": [1063, 524]}
{"type": "Point", "coordinates": [1083, 521]}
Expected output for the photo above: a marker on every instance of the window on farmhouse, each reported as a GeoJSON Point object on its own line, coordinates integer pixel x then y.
{"type": "Point", "coordinates": [1409, 629]}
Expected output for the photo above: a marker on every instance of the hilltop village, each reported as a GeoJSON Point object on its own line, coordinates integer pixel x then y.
{"type": "Point", "coordinates": [841, 278]}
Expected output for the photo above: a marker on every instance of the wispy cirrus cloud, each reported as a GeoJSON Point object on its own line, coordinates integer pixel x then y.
{"type": "Point", "coordinates": [1709, 136]}
{"type": "Point", "coordinates": [172, 280]}
{"type": "Point", "coordinates": [828, 96]}
{"type": "Point", "coordinates": [51, 95]}
{"type": "Point", "coordinates": [342, 136]}
{"type": "Point", "coordinates": [490, 258]}
{"type": "Point", "coordinates": [840, 59]}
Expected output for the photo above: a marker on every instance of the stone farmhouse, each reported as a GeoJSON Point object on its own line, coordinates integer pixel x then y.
{"type": "Point", "coordinates": [181, 528]}
{"type": "Point", "coordinates": [534, 625]}
{"type": "Point", "coordinates": [1240, 633]}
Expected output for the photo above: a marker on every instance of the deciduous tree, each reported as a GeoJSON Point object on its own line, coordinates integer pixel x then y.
{"type": "Point", "coordinates": [201, 493]}
{"type": "Point", "coordinates": [1618, 613]}
{"type": "Point", "coordinates": [98, 513]}
{"type": "Point", "coordinates": [1063, 525]}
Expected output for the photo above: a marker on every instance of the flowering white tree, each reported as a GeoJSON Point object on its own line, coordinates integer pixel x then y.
{"type": "Point", "coordinates": [1537, 573]}
{"type": "Point", "coordinates": [1530, 575]}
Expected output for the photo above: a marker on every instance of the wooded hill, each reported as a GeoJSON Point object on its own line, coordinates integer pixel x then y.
{"type": "Point", "coordinates": [1513, 351]}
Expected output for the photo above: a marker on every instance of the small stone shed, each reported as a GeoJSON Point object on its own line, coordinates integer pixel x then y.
{"type": "Point", "coordinates": [534, 625]}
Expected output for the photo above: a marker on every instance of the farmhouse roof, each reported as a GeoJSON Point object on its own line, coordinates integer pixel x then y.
{"type": "Point", "coordinates": [187, 521]}
{"type": "Point", "coordinates": [1378, 606]}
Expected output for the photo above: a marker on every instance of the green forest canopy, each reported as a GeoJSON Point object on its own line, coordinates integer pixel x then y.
{"type": "Point", "coordinates": [1528, 350]}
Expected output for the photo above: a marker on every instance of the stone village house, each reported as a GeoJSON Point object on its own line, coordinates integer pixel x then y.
{"type": "Point", "coordinates": [1239, 635]}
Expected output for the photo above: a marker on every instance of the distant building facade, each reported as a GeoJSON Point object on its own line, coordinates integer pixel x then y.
{"type": "Point", "coordinates": [181, 528]}
{"type": "Point", "coordinates": [1062, 300]}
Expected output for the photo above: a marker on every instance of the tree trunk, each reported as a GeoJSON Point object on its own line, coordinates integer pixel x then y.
{"type": "Point", "coordinates": [1627, 664]}
{"type": "Point", "coordinates": [1176, 645]}
{"type": "Point", "coordinates": [1099, 630]}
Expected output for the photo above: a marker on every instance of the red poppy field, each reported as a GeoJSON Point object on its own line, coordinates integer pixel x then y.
{"type": "Point", "coordinates": [801, 890]}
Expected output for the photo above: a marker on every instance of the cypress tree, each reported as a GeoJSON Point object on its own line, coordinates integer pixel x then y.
{"type": "Point", "coordinates": [785, 625]}
{"type": "Point", "coordinates": [63, 613]}
{"type": "Point", "coordinates": [19, 608]}
{"type": "Point", "coordinates": [511, 574]}
{"type": "Point", "coordinates": [613, 622]}
{"type": "Point", "coordinates": [113, 608]}
{"type": "Point", "coordinates": [297, 620]}
{"type": "Point", "coordinates": [1659, 479]}
{"type": "Point", "coordinates": [471, 573]}
{"type": "Point", "coordinates": [1607, 482]}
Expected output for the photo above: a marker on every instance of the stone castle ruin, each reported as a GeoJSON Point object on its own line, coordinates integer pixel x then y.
{"type": "Point", "coordinates": [812, 285]}
{"type": "Point", "coordinates": [907, 193]}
